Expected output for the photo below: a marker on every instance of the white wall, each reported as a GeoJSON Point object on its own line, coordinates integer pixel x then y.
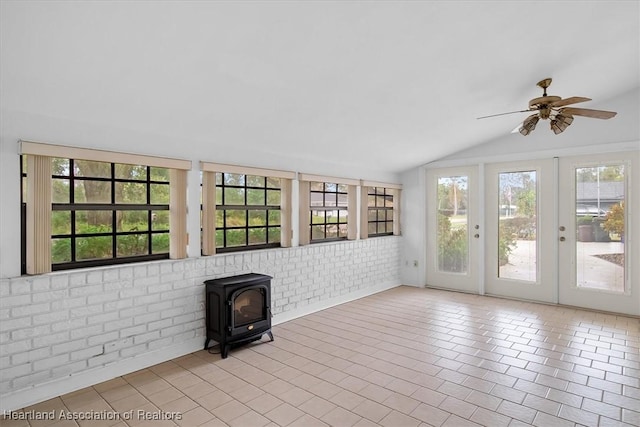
{"type": "Point", "coordinates": [67, 330]}
{"type": "Point", "coordinates": [413, 251]}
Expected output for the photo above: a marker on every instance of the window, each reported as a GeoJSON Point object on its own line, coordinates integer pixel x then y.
{"type": "Point", "coordinates": [247, 211]}
{"type": "Point", "coordinates": [329, 211]}
{"type": "Point", "coordinates": [83, 211]}
{"type": "Point", "coordinates": [104, 213]}
{"type": "Point", "coordinates": [244, 208]}
{"type": "Point", "coordinates": [379, 211]}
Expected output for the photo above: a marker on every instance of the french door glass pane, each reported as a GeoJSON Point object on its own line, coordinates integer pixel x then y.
{"type": "Point", "coordinates": [600, 227]}
{"type": "Point", "coordinates": [517, 228]}
{"type": "Point", "coordinates": [453, 224]}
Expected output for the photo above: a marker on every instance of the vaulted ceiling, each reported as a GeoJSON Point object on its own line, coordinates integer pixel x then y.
{"type": "Point", "coordinates": [389, 84]}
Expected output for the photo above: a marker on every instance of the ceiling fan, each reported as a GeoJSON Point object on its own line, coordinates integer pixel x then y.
{"type": "Point", "coordinates": [554, 108]}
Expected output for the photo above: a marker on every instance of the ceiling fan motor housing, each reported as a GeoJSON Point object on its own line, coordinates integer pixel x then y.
{"type": "Point", "coordinates": [543, 105]}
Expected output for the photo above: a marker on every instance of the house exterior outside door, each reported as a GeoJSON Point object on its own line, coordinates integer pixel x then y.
{"type": "Point", "coordinates": [453, 229]}
{"type": "Point", "coordinates": [598, 231]}
{"type": "Point", "coordinates": [558, 230]}
{"type": "Point", "coordinates": [519, 216]}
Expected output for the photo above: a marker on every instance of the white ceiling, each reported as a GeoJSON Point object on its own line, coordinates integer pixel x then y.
{"type": "Point", "coordinates": [387, 84]}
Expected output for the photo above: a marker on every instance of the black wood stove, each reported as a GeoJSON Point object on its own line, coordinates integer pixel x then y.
{"type": "Point", "coordinates": [238, 310]}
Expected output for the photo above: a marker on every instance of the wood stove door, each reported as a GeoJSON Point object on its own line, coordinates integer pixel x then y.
{"type": "Point", "coordinates": [249, 310]}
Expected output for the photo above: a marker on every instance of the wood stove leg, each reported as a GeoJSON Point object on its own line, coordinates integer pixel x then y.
{"type": "Point", "coordinates": [206, 344]}
{"type": "Point", "coordinates": [270, 335]}
{"type": "Point", "coordinates": [224, 350]}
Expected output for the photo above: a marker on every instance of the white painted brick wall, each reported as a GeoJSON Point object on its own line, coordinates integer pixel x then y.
{"type": "Point", "coordinates": [64, 323]}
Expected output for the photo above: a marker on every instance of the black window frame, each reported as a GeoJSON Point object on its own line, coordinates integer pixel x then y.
{"type": "Point", "coordinates": [332, 189]}
{"type": "Point", "coordinates": [383, 211]}
{"type": "Point", "coordinates": [23, 218]}
{"type": "Point", "coordinates": [73, 207]}
{"type": "Point", "coordinates": [221, 185]}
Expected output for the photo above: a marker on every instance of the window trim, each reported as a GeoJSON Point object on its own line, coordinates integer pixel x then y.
{"type": "Point", "coordinates": [77, 153]}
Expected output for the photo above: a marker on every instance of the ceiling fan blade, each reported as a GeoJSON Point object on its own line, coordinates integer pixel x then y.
{"type": "Point", "coordinates": [568, 101]}
{"type": "Point", "coordinates": [503, 114]}
{"type": "Point", "coordinates": [586, 112]}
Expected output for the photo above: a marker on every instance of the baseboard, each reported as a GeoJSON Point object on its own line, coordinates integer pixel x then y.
{"type": "Point", "coordinates": [322, 305]}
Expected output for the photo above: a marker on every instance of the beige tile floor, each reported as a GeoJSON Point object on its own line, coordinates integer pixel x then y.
{"type": "Point", "coordinates": [404, 357]}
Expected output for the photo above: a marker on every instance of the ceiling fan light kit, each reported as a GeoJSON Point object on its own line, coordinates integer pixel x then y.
{"type": "Point", "coordinates": [560, 123]}
{"type": "Point", "coordinates": [529, 124]}
{"type": "Point", "coordinates": [552, 108]}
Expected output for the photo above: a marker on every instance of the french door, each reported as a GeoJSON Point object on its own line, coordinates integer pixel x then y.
{"type": "Point", "coordinates": [598, 232]}
{"type": "Point", "coordinates": [519, 215]}
{"type": "Point", "coordinates": [453, 237]}
{"type": "Point", "coordinates": [561, 230]}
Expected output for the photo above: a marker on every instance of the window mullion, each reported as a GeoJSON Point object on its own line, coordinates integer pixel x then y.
{"type": "Point", "coordinates": [246, 222]}
{"type": "Point", "coordinates": [266, 212]}
{"type": "Point", "coordinates": [149, 214]}
{"type": "Point", "coordinates": [72, 199]}
{"type": "Point", "coordinates": [246, 211]}
{"type": "Point", "coordinates": [114, 214]}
